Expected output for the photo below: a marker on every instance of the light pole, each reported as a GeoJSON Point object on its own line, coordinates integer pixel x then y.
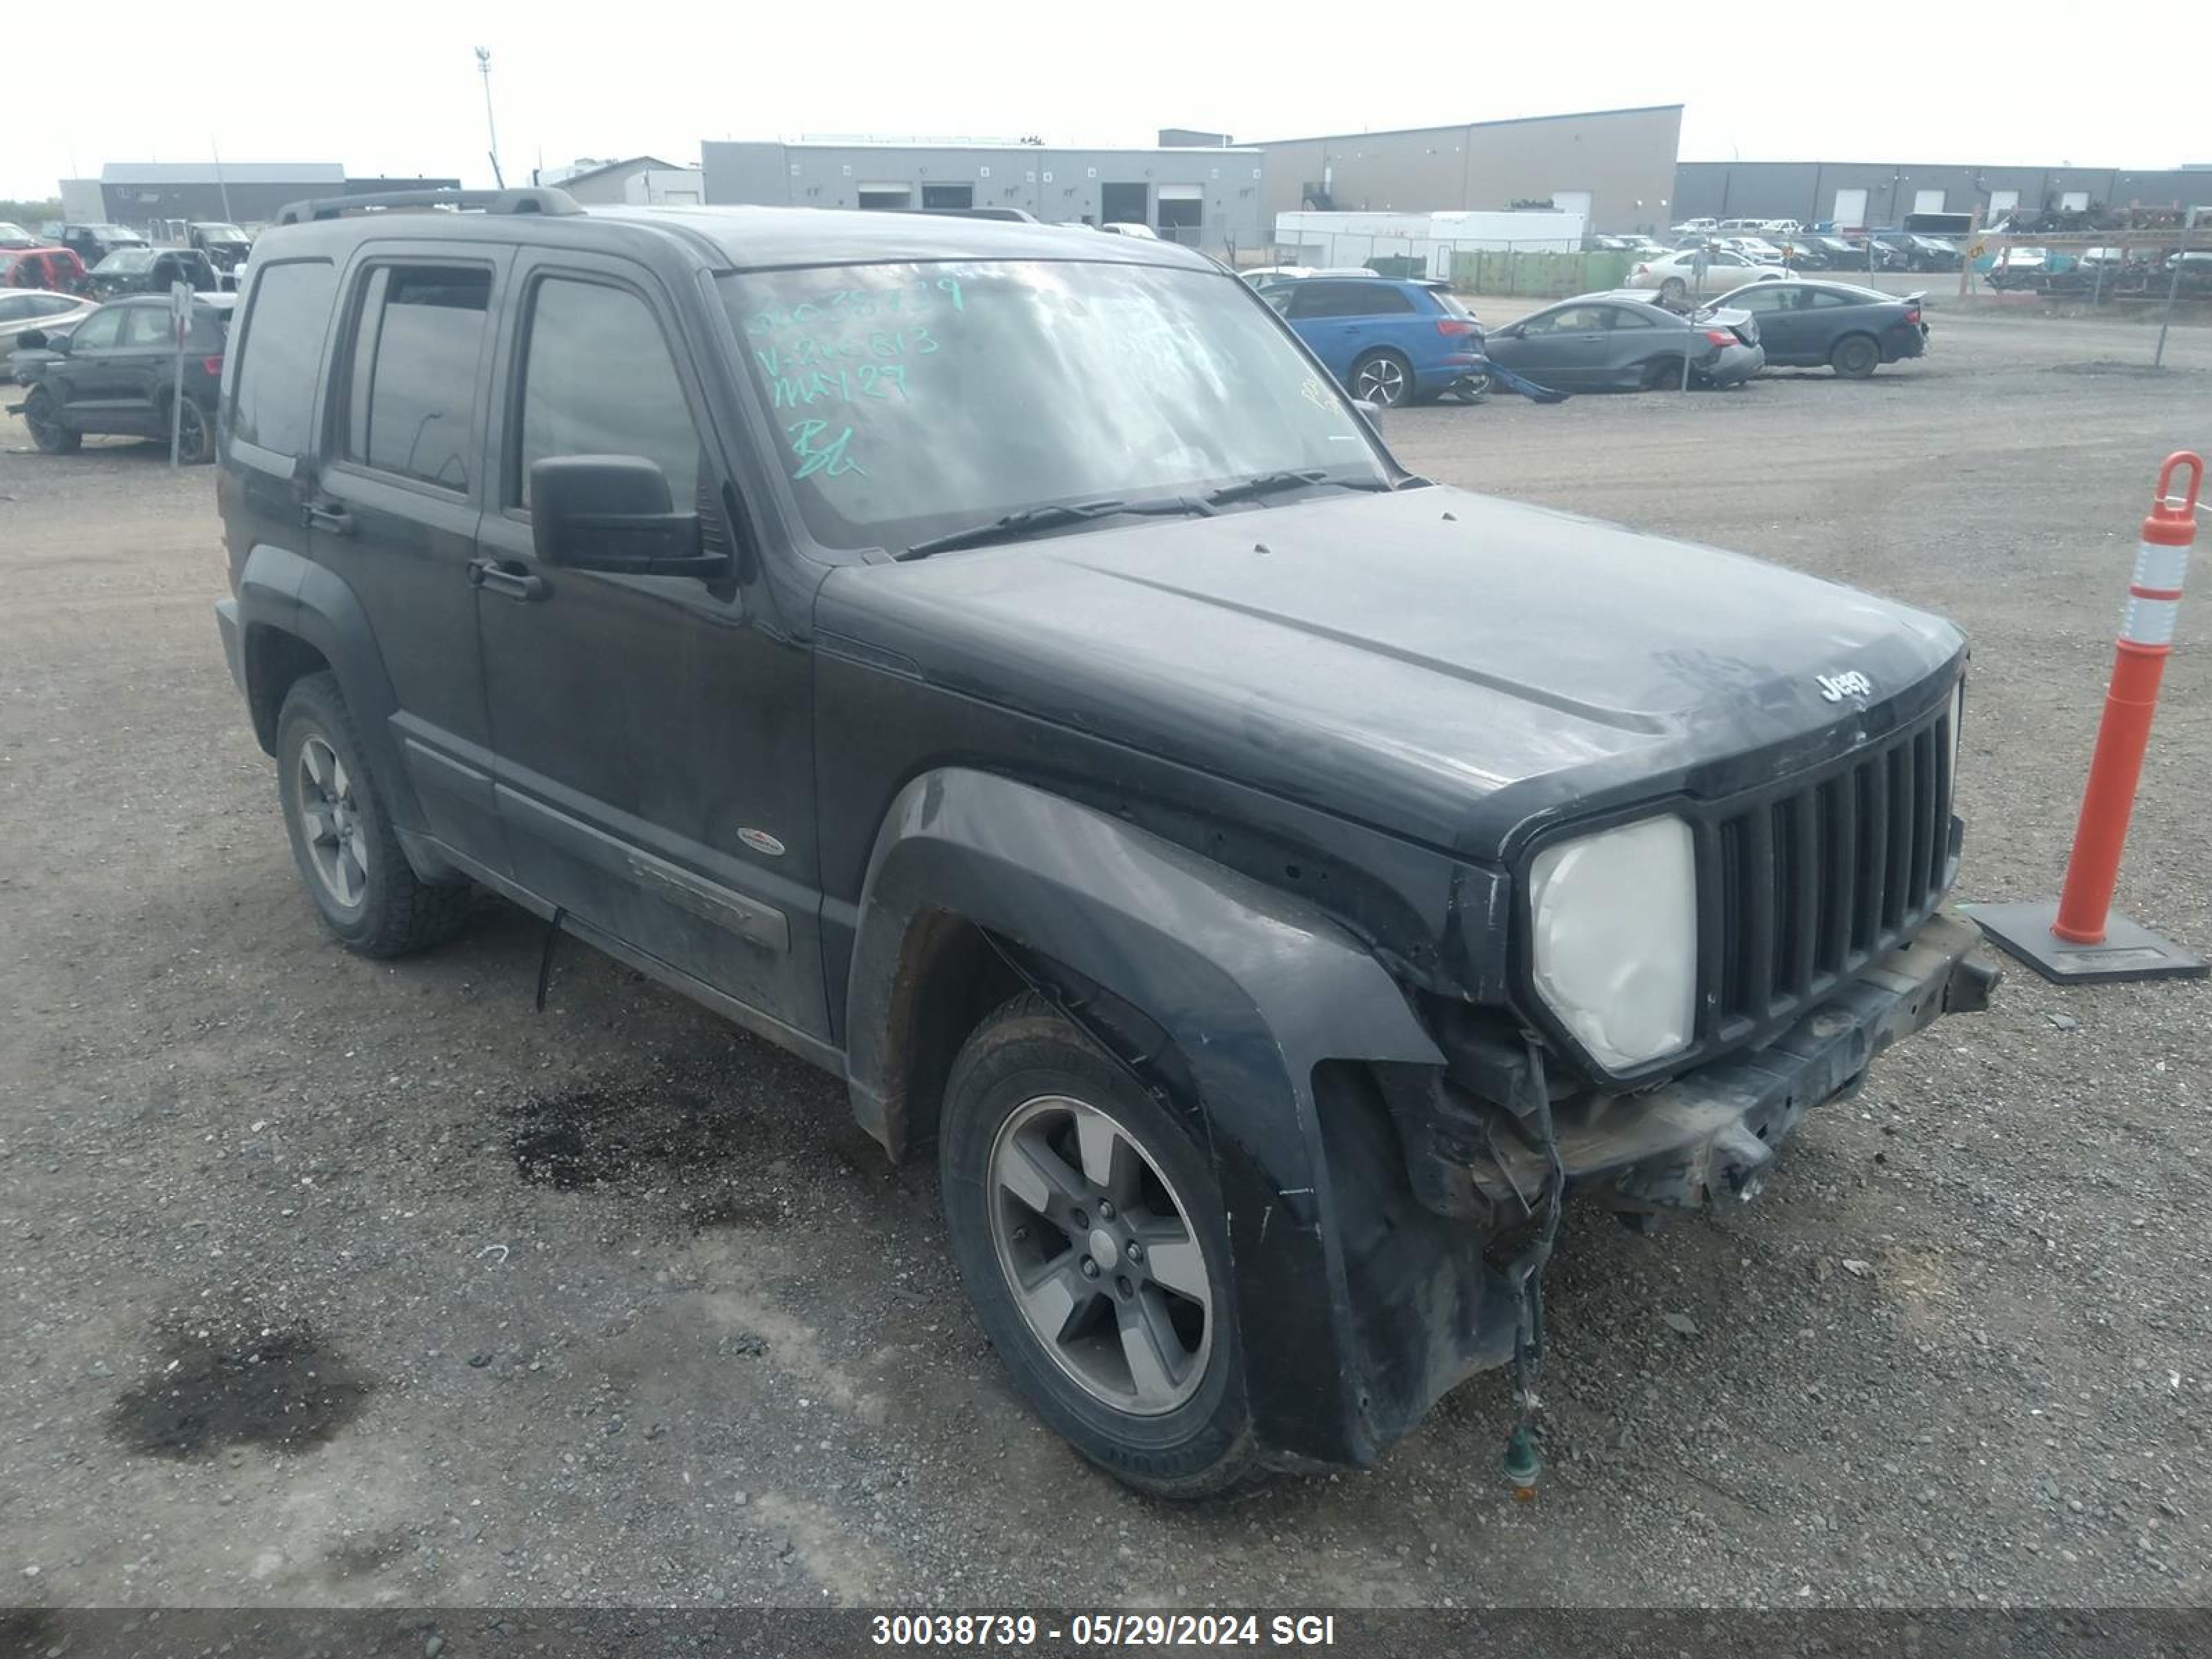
{"type": "Point", "coordinates": [484, 65]}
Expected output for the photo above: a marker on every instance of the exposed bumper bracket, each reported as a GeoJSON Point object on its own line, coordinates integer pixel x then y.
{"type": "Point", "coordinates": [1711, 1134]}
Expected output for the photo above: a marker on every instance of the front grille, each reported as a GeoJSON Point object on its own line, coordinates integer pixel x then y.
{"type": "Point", "coordinates": [1808, 883]}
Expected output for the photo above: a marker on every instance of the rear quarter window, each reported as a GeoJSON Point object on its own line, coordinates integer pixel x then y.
{"type": "Point", "coordinates": [280, 353]}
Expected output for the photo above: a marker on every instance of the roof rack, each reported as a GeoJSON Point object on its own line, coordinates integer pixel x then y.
{"type": "Point", "coordinates": [542, 200]}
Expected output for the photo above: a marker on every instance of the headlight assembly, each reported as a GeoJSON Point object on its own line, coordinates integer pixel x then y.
{"type": "Point", "coordinates": [1615, 933]}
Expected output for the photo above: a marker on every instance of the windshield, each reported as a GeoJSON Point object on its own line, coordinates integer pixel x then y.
{"type": "Point", "coordinates": [912, 400]}
{"type": "Point", "coordinates": [127, 260]}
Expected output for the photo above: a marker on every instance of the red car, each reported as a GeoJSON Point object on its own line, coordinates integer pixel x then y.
{"type": "Point", "coordinates": [56, 268]}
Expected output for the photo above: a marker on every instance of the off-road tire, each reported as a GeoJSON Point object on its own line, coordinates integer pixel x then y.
{"type": "Point", "coordinates": [397, 912]}
{"type": "Point", "coordinates": [45, 421]}
{"type": "Point", "coordinates": [1023, 1052]}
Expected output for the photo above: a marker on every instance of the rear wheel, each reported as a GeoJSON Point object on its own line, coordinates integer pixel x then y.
{"type": "Point", "coordinates": [1854, 357]}
{"type": "Point", "coordinates": [1662, 374]}
{"type": "Point", "coordinates": [195, 443]}
{"type": "Point", "coordinates": [1090, 1236]}
{"type": "Point", "coordinates": [44, 417]}
{"type": "Point", "coordinates": [1672, 290]}
{"type": "Point", "coordinates": [1384, 379]}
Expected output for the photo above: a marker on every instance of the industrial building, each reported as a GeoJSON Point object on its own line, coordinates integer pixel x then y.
{"type": "Point", "coordinates": [1615, 168]}
{"type": "Point", "coordinates": [1857, 195]}
{"type": "Point", "coordinates": [1206, 196]}
{"type": "Point", "coordinates": [141, 193]}
{"type": "Point", "coordinates": [638, 181]}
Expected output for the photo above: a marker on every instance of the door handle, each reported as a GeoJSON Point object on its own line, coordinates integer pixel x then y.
{"type": "Point", "coordinates": [322, 515]}
{"type": "Point", "coordinates": [507, 578]}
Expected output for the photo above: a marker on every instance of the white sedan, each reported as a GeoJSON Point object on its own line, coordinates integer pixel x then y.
{"type": "Point", "coordinates": [1676, 274]}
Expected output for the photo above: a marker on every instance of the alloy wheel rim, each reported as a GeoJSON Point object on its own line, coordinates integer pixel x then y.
{"type": "Point", "coordinates": [1098, 1252]}
{"type": "Point", "coordinates": [330, 818]}
{"type": "Point", "coordinates": [1382, 381]}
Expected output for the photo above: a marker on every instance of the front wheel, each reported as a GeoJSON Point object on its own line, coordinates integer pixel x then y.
{"type": "Point", "coordinates": [43, 416]}
{"type": "Point", "coordinates": [343, 839]}
{"type": "Point", "coordinates": [1090, 1236]}
{"type": "Point", "coordinates": [1384, 378]}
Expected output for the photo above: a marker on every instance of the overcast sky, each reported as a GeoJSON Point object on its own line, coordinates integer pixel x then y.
{"type": "Point", "coordinates": [393, 87]}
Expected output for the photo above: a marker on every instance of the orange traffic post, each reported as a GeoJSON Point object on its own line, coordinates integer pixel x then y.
{"type": "Point", "coordinates": [2080, 938]}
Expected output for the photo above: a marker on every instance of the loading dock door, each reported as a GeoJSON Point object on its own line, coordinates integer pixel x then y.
{"type": "Point", "coordinates": [886, 199]}
{"type": "Point", "coordinates": [1125, 204]}
{"type": "Point", "coordinates": [1850, 210]}
{"type": "Point", "coordinates": [1181, 208]}
{"type": "Point", "coordinates": [948, 195]}
{"type": "Point", "coordinates": [1575, 201]}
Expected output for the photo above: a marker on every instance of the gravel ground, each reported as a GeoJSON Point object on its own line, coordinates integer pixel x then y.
{"type": "Point", "coordinates": [328, 1281]}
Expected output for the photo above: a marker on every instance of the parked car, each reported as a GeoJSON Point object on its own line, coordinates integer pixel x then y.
{"type": "Point", "coordinates": [1852, 330]}
{"type": "Point", "coordinates": [1834, 252]}
{"type": "Point", "coordinates": [117, 372]}
{"type": "Point", "coordinates": [2019, 267]}
{"type": "Point", "coordinates": [1695, 227]}
{"type": "Point", "coordinates": [151, 271]}
{"type": "Point", "coordinates": [1387, 340]}
{"type": "Point", "coordinates": [57, 268]}
{"type": "Point", "coordinates": [93, 243]}
{"type": "Point", "coordinates": [1120, 227]}
{"type": "Point", "coordinates": [1909, 252]}
{"type": "Point", "coordinates": [1270, 882]}
{"type": "Point", "coordinates": [227, 246]}
{"type": "Point", "coordinates": [1675, 275]}
{"type": "Point", "coordinates": [1757, 249]}
{"type": "Point", "coordinates": [47, 315]}
{"type": "Point", "coordinates": [1261, 275]}
{"type": "Point", "coordinates": [14, 235]}
{"type": "Point", "coordinates": [1622, 342]}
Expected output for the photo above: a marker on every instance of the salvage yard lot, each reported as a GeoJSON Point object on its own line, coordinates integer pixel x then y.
{"type": "Point", "coordinates": [325, 1280]}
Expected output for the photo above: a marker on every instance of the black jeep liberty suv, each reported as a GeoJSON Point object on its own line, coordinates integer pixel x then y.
{"type": "Point", "coordinates": [996, 662]}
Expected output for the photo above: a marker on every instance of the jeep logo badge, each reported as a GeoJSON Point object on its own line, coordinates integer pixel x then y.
{"type": "Point", "coordinates": [1849, 683]}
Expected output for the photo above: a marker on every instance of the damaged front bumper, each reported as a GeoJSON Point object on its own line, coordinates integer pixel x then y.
{"type": "Point", "coordinates": [1711, 1134]}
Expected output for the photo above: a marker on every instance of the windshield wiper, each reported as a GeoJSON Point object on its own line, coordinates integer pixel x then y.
{"type": "Point", "coordinates": [1271, 484]}
{"type": "Point", "coordinates": [1015, 526]}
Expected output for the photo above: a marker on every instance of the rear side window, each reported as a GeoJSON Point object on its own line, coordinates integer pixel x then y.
{"type": "Point", "coordinates": [148, 325]}
{"type": "Point", "coordinates": [282, 351]}
{"type": "Point", "coordinates": [411, 395]}
{"type": "Point", "coordinates": [598, 379]}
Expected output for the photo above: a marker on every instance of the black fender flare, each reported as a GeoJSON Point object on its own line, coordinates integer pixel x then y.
{"type": "Point", "coordinates": [1254, 987]}
{"type": "Point", "coordinates": [280, 593]}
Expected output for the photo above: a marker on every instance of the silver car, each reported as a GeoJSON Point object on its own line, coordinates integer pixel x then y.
{"type": "Point", "coordinates": [23, 310]}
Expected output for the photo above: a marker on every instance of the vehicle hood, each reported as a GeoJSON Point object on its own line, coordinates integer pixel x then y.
{"type": "Point", "coordinates": [1449, 666]}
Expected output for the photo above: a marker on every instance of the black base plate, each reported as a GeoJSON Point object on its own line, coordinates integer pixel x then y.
{"type": "Point", "coordinates": [2128, 951]}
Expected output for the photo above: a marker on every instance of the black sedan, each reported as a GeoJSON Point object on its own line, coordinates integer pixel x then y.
{"type": "Point", "coordinates": [1853, 330]}
{"type": "Point", "coordinates": [1626, 341]}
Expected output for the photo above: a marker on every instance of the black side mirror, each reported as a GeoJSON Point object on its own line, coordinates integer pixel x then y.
{"type": "Point", "coordinates": [33, 339]}
{"type": "Point", "coordinates": [613, 513]}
